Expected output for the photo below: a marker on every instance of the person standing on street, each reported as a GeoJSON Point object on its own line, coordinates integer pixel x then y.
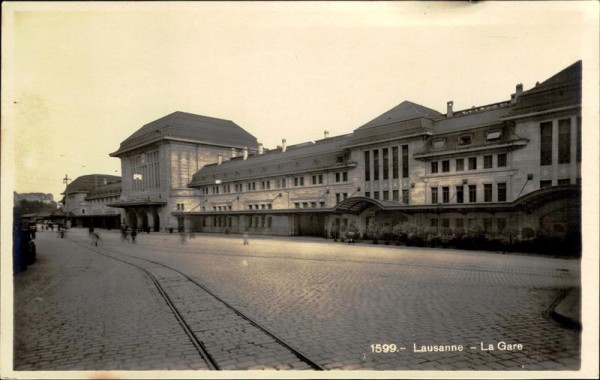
{"type": "Point", "coordinates": [133, 235]}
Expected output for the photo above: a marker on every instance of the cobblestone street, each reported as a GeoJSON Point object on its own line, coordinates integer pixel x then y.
{"type": "Point", "coordinates": [333, 302]}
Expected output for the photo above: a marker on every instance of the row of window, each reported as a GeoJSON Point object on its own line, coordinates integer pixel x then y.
{"type": "Point", "coordinates": [259, 221]}
{"type": "Point", "coordinates": [385, 195]}
{"type": "Point", "coordinates": [103, 200]}
{"type": "Point", "coordinates": [488, 163]}
{"type": "Point", "coordinates": [281, 183]}
{"type": "Point", "coordinates": [384, 170]}
{"type": "Point", "coordinates": [471, 193]}
{"type": "Point", "coordinates": [321, 204]}
{"type": "Point", "coordinates": [467, 139]}
{"type": "Point", "coordinates": [564, 142]}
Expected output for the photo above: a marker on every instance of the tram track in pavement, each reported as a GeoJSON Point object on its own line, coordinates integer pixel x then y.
{"type": "Point", "coordinates": [226, 338]}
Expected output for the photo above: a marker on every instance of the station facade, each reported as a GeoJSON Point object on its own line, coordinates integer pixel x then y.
{"type": "Point", "coordinates": [158, 161]}
{"type": "Point", "coordinates": [86, 200]}
{"type": "Point", "coordinates": [513, 165]}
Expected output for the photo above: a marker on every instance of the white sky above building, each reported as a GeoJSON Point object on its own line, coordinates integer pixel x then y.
{"type": "Point", "coordinates": [83, 77]}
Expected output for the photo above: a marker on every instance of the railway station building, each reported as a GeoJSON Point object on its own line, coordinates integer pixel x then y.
{"type": "Point", "coordinates": [512, 165]}
{"type": "Point", "coordinates": [158, 161]}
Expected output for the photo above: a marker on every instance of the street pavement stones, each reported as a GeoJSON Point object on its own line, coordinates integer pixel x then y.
{"type": "Point", "coordinates": [77, 310]}
{"type": "Point", "coordinates": [333, 301]}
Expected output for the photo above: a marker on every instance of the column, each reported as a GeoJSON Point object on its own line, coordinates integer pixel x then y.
{"type": "Point", "coordinates": [573, 158]}
{"type": "Point", "coordinates": [554, 152]}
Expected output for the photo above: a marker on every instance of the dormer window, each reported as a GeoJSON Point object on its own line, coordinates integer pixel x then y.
{"type": "Point", "coordinates": [439, 144]}
{"type": "Point", "coordinates": [465, 139]}
{"type": "Point", "coordinates": [493, 135]}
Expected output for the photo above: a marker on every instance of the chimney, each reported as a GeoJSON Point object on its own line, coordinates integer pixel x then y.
{"type": "Point", "coordinates": [519, 90]}
{"type": "Point", "coordinates": [245, 153]}
{"type": "Point", "coordinates": [260, 148]}
{"type": "Point", "coordinates": [326, 133]}
{"type": "Point", "coordinates": [233, 153]}
{"type": "Point", "coordinates": [220, 159]}
{"type": "Point", "coordinates": [449, 109]}
{"type": "Point", "coordinates": [283, 147]}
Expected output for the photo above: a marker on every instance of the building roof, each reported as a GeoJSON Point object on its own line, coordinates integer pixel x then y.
{"type": "Point", "coordinates": [103, 191]}
{"type": "Point", "coordinates": [90, 182]}
{"type": "Point", "coordinates": [185, 126]}
{"type": "Point", "coordinates": [560, 90]}
{"type": "Point", "coordinates": [404, 111]}
{"type": "Point", "coordinates": [301, 158]}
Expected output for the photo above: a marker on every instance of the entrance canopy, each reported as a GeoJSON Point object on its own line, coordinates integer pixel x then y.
{"type": "Point", "coordinates": [356, 205]}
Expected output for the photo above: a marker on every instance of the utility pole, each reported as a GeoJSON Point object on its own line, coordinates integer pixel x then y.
{"type": "Point", "coordinates": [66, 182]}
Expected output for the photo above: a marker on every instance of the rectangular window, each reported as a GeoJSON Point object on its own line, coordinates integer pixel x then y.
{"type": "Point", "coordinates": [345, 176]}
{"type": "Point", "coordinates": [337, 198]}
{"type": "Point", "coordinates": [460, 164]}
{"type": "Point", "coordinates": [445, 166]}
{"type": "Point", "coordinates": [283, 184]}
{"type": "Point", "coordinates": [502, 160]}
{"type": "Point", "coordinates": [502, 192]}
{"type": "Point", "coordinates": [434, 167]}
{"type": "Point", "coordinates": [460, 194]}
{"type": "Point", "coordinates": [395, 195]}
{"type": "Point", "coordinates": [487, 162]}
{"type": "Point", "coordinates": [434, 195]}
{"type": "Point", "coordinates": [313, 204]}
{"type": "Point", "coordinates": [367, 165]}
{"type": "Point", "coordinates": [368, 194]}
{"type": "Point", "coordinates": [376, 195]}
{"type": "Point", "coordinates": [445, 223]}
{"type": "Point", "coordinates": [459, 223]}
{"type": "Point", "coordinates": [337, 177]}
{"type": "Point", "coordinates": [314, 179]}
{"type": "Point", "coordinates": [546, 143]}
{"type": "Point", "coordinates": [434, 223]}
{"type": "Point", "coordinates": [345, 196]}
{"type": "Point", "coordinates": [487, 192]}
{"type": "Point", "coordinates": [404, 161]}
{"type": "Point", "coordinates": [545, 183]}
{"type": "Point", "coordinates": [386, 195]}
{"type": "Point", "coordinates": [501, 222]}
{"type": "Point", "coordinates": [376, 165]}
{"type": "Point", "coordinates": [472, 163]}
{"type": "Point", "coordinates": [487, 224]}
{"type": "Point", "coordinates": [395, 161]}
{"type": "Point", "coordinates": [472, 193]}
{"type": "Point", "coordinates": [304, 204]}
{"type": "Point", "coordinates": [322, 204]}
{"type": "Point", "coordinates": [405, 196]}
{"type": "Point", "coordinates": [564, 141]}
{"type": "Point", "coordinates": [445, 194]}
{"type": "Point", "coordinates": [464, 140]}
{"type": "Point", "coordinates": [386, 163]}
{"type": "Point", "coordinates": [320, 178]}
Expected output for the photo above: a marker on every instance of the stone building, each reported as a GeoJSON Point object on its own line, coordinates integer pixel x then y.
{"type": "Point", "coordinates": [158, 161]}
{"type": "Point", "coordinates": [86, 200]}
{"type": "Point", "coordinates": [515, 164]}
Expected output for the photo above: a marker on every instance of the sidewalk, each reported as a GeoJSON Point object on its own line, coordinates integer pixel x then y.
{"type": "Point", "coordinates": [568, 310]}
{"type": "Point", "coordinates": [77, 310]}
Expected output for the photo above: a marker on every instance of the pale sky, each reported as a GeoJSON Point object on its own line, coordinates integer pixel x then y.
{"type": "Point", "coordinates": [84, 77]}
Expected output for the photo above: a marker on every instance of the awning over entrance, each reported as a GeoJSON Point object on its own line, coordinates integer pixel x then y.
{"type": "Point", "coordinates": [356, 205]}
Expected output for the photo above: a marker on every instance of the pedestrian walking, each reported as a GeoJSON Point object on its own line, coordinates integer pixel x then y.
{"type": "Point", "coordinates": [123, 233]}
{"type": "Point", "coordinates": [182, 236]}
{"type": "Point", "coordinates": [133, 235]}
{"type": "Point", "coordinates": [246, 239]}
{"type": "Point", "coordinates": [95, 238]}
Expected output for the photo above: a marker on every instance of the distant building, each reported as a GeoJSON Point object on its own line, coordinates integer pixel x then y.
{"type": "Point", "coordinates": [158, 161]}
{"type": "Point", "coordinates": [86, 199]}
{"type": "Point", "coordinates": [512, 165]}
{"type": "Point", "coordinates": [33, 197]}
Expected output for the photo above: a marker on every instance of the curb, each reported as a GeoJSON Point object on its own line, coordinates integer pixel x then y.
{"type": "Point", "coordinates": [566, 309]}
